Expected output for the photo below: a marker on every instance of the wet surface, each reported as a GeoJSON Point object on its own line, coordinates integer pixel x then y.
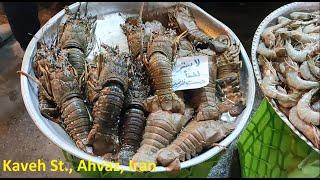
{"type": "Point", "coordinates": [20, 139]}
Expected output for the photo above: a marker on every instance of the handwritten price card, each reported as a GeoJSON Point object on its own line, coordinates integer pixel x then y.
{"type": "Point", "coordinates": [190, 73]}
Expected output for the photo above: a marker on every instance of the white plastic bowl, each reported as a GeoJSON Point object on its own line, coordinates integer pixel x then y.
{"type": "Point", "coordinates": [57, 135]}
{"type": "Point", "coordinates": [271, 19]}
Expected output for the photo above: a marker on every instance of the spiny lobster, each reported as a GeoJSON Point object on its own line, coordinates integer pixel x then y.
{"type": "Point", "coordinates": [134, 114]}
{"type": "Point", "coordinates": [106, 85]}
{"type": "Point", "coordinates": [76, 35]}
{"type": "Point", "coordinates": [60, 85]}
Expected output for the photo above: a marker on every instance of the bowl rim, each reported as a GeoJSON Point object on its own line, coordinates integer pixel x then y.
{"type": "Point", "coordinates": [256, 39]}
{"type": "Point", "coordinates": [38, 119]}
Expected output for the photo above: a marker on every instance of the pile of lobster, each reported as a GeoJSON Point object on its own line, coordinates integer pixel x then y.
{"type": "Point", "coordinates": [122, 106]}
{"type": "Point", "coordinates": [289, 57]}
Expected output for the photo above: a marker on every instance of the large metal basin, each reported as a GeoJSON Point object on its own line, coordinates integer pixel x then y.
{"type": "Point", "coordinates": [111, 34]}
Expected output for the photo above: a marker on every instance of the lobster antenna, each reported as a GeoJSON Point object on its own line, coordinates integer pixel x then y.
{"type": "Point", "coordinates": [78, 10]}
{"type": "Point", "coordinates": [141, 11]}
{"type": "Point", "coordinates": [86, 9]}
{"type": "Point", "coordinates": [29, 76]}
{"type": "Point", "coordinates": [56, 39]}
{"type": "Point", "coordinates": [141, 28]}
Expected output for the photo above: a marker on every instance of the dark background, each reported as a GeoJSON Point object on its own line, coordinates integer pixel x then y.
{"type": "Point", "coordinates": [243, 18]}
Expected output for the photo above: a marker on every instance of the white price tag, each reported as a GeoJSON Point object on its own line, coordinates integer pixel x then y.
{"type": "Point", "coordinates": [190, 73]}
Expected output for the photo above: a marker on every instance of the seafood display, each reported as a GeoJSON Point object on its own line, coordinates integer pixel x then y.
{"type": "Point", "coordinates": [289, 56]}
{"type": "Point", "coordinates": [121, 105]}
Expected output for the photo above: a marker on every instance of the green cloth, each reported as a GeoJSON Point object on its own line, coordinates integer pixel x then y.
{"type": "Point", "coordinates": [268, 148]}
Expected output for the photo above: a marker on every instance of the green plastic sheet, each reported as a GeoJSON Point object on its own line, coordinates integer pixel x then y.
{"type": "Point", "coordinates": [268, 148]}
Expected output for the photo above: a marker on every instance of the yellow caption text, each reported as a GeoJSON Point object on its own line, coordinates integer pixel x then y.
{"type": "Point", "coordinates": [36, 166]}
{"type": "Point", "coordinates": [59, 166]}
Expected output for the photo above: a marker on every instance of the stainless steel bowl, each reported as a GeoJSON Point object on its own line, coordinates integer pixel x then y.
{"type": "Point", "coordinates": [271, 19]}
{"type": "Point", "coordinates": [111, 34]}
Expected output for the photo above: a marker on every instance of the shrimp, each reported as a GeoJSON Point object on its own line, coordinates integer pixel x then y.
{"type": "Point", "coordinates": [291, 71]}
{"type": "Point", "coordinates": [316, 106]}
{"type": "Point", "coordinates": [311, 28]}
{"type": "Point", "coordinates": [295, 95]}
{"type": "Point", "coordinates": [314, 69]}
{"type": "Point", "coordinates": [305, 111]}
{"type": "Point", "coordinates": [300, 56]}
{"type": "Point", "coordinates": [268, 85]}
{"type": "Point", "coordinates": [268, 36]}
{"type": "Point", "coordinates": [302, 37]}
{"type": "Point", "coordinates": [270, 53]}
{"type": "Point", "coordinates": [284, 110]}
{"type": "Point", "coordinates": [305, 72]}
{"type": "Point", "coordinates": [302, 15]}
{"type": "Point", "coordinates": [299, 24]}
{"type": "Point", "coordinates": [310, 131]}
{"type": "Point", "coordinates": [282, 19]}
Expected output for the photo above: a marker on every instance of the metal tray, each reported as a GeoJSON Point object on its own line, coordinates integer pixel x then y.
{"type": "Point", "coordinates": [271, 19]}
{"type": "Point", "coordinates": [112, 35]}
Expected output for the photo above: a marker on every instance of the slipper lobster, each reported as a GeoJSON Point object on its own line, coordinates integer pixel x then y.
{"type": "Point", "coordinates": [196, 136]}
{"type": "Point", "coordinates": [106, 85]}
{"type": "Point", "coordinates": [159, 65]}
{"type": "Point", "coordinates": [160, 131]}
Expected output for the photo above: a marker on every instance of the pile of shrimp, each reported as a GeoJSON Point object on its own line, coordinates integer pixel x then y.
{"type": "Point", "coordinates": [289, 58]}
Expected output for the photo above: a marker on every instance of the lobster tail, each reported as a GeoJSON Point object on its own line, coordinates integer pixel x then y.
{"type": "Point", "coordinates": [161, 129]}
{"type": "Point", "coordinates": [76, 121]}
{"type": "Point", "coordinates": [133, 126]}
{"type": "Point", "coordinates": [76, 57]}
{"type": "Point", "coordinates": [106, 112]}
{"type": "Point", "coordinates": [195, 137]}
